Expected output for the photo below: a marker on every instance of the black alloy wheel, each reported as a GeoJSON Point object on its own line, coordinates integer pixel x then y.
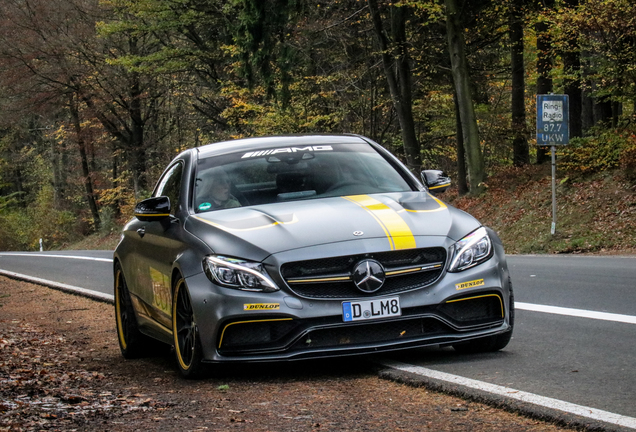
{"type": "Point", "coordinates": [132, 343]}
{"type": "Point", "coordinates": [187, 346]}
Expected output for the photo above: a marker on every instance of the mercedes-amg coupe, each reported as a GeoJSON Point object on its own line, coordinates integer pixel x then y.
{"type": "Point", "coordinates": [296, 247]}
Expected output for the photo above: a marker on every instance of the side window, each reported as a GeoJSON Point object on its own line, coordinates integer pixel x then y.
{"type": "Point", "coordinates": [170, 186]}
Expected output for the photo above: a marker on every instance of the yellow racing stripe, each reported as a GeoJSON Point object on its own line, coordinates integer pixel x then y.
{"type": "Point", "coordinates": [396, 229]}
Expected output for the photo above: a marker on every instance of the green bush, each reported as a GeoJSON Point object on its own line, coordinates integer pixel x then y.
{"type": "Point", "coordinates": [605, 150]}
{"type": "Point", "coordinates": [21, 228]}
{"type": "Point", "coordinates": [628, 158]}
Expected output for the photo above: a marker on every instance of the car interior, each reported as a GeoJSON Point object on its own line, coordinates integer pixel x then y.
{"type": "Point", "coordinates": [305, 175]}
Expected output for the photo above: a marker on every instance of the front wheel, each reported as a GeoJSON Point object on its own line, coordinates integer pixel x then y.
{"type": "Point", "coordinates": [187, 345]}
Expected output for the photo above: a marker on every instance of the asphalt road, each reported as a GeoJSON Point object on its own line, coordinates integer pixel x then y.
{"type": "Point", "coordinates": [94, 271]}
{"type": "Point", "coordinates": [584, 361]}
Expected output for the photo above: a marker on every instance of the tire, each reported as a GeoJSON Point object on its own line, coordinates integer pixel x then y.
{"type": "Point", "coordinates": [490, 343]}
{"type": "Point", "coordinates": [187, 345]}
{"type": "Point", "coordinates": [132, 343]}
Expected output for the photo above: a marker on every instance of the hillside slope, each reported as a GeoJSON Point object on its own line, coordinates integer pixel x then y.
{"type": "Point", "coordinates": [595, 214]}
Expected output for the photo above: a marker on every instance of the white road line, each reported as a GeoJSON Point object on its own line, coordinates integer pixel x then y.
{"type": "Point", "coordinates": [58, 256]}
{"type": "Point", "coordinates": [63, 287]}
{"type": "Point", "coordinates": [581, 313]}
{"type": "Point", "coordinates": [629, 319]}
{"type": "Point", "coordinates": [579, 410]}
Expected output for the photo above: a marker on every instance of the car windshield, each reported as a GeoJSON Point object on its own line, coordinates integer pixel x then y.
{"type": "Point", "coordinates": [293, 173]}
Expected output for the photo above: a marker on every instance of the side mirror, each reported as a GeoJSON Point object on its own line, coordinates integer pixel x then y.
{"type": "Point", "coordinates": [153, 209]}
{"type": "Point", "coordinates": [435, 180]}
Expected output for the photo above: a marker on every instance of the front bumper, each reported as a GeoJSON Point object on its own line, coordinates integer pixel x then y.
{"type": "Point", "coordinates": [239, 326]}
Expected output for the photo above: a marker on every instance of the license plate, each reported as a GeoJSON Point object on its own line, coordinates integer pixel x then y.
{"type": "Point", "coordinates": [371, 309]}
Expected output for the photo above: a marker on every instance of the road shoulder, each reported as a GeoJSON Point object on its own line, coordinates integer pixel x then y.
{"type": "Point", "coordinates": [61, 369]}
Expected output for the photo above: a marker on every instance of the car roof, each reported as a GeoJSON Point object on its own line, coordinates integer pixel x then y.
{"type": "Point", "coordinates": [260, 143]}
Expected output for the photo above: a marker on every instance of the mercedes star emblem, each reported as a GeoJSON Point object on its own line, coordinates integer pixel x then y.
{"type": "Point", "coordinates": [368, 275]}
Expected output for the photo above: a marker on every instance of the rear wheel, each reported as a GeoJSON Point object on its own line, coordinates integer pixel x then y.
{"type": "Point", "coordinates": [187, 345]}
{"type": "Point", "coordinates": [132, 343]}
{"type": "Point", "coordinates": [490, 343]}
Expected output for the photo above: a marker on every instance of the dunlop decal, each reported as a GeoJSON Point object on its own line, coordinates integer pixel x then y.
{"type": "Point", "coordinates": [261, 306]}
{"type": "Point", "coordinates": [471, 284]}
{"type": "Point", "coordinates": [396, 229]}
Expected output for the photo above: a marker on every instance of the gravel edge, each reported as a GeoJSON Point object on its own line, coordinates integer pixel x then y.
{"type": "Point", "coordinates": [95, 295]}
{"type": "Point", "coordinates": [556, 417]}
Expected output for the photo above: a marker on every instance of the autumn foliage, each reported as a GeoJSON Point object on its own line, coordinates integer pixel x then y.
{"type": "Point", "coordinates": [96, 96]}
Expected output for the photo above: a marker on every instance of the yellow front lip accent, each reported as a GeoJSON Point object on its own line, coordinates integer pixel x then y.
{"type": "Point", "coordinates": [396, 229]}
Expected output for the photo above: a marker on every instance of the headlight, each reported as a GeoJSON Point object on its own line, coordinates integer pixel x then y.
{"type": "Point", "coordinates": [239, 274]}
{"type": "Point", "coordinates": [473, 249]}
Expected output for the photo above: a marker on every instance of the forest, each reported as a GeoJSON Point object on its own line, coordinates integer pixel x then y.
{"type": "Point", "coordinates": [97, 96]}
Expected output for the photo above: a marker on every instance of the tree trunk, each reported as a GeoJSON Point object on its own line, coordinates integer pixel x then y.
{"type": "Point", "coordinates": [587, 110]}
{"type": "Point", "coordinates": [602, 111]}
{"type": "Point", "coordinates": [58, 171]}
{"type": "Point", "coordinates": [137, 129]}
{"type": "Point", "coordinates": [81, 144]}
{"type": "Point", "coordinates": [19, 188]}
{"type": "Point", "coordinates": [521, 152]}
{"type": "Point", "coordinates": [572, 83]}
{"type": "Point", "coordinates": [456, 47]}
{"type": "Point", "coordinates": [398, 75]}
{"type": "Point", "coordinates": [116, 204]}
{"type": "Point", "coordinates": [617, 111]}
{"type": "Point", "coordinates": [462, 186]}
{"type": "Point", "coordinates": [572, 87]}
{"type": "Point", "coordinates": [545, 61]}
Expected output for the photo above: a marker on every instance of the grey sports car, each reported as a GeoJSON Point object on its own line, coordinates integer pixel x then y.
{"type": "Point", "coordinates": [296, 247]}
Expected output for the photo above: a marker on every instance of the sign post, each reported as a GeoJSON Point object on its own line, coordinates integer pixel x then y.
{"type": "Point", "coordinates": [553, 118]}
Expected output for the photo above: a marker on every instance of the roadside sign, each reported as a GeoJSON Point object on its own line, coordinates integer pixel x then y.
{"type": "Point", "coordinates": [553, 118]}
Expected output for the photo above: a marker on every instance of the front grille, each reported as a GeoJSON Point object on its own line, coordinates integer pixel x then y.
{"type": "Point", "coordinates": [330, 278]}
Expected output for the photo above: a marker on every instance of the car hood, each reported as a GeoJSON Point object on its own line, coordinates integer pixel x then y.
{"type": "Point", "coordinates": [256, 232]}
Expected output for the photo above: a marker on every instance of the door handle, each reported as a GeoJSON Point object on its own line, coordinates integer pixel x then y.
{"type": "Point", "coordinates": [141, 231]}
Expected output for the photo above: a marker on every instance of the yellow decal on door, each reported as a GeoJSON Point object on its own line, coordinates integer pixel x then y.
{"type": "Point", "coordinates": [161, 295]}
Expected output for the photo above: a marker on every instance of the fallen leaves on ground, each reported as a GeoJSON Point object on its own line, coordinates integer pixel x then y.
{"type": "Point", "coordinates": [37, 388]}
{"type": "Point", "coordinates": [61, 370]}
